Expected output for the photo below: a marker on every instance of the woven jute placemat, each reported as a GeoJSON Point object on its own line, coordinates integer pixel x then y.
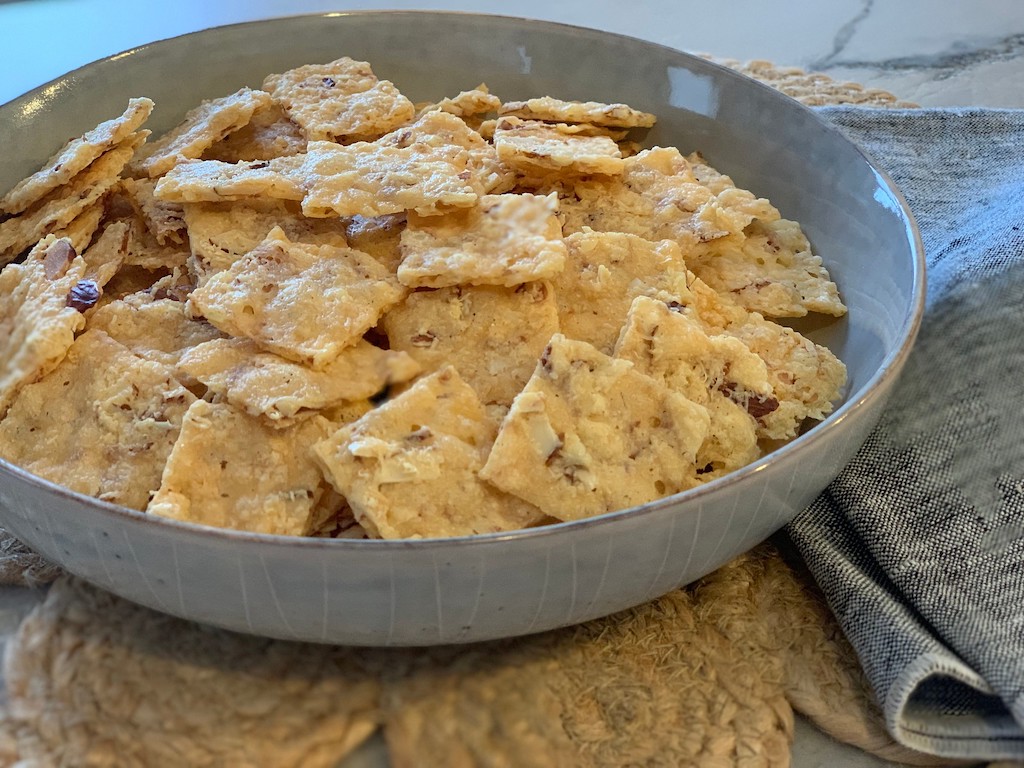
{"type": "Point", "coordinates": [709, 675]}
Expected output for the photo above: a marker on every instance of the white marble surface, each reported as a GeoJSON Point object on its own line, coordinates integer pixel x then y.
{"type": "Point", "coordinates": [932, 52]}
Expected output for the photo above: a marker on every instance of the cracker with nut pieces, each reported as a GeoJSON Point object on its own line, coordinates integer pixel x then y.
{"type": "Point", "coordinates": [264, 384]}
{"type": "Point", "coordinates": [770, 269]}
{"type": "Point", "coordinates": [467, 104]}
{"type": "Point", "coordinates": [76, 156]}
{"type": "Point", "coordinates": [536, 149]}
{"type": "Point", "coordinates": [590, 434]}
{"type": "Point", "coordinates": [81, 229]}
{"type": "Point", "coordinates": [102, 423]}
{"type": "Point", "coordinates": [408, 468]}
{"type": "Point", "coordinates": [165, 220]}
{"type": "Point", "coordinates": [554, 110]}
{"type": "Point", "coordinates": [668, 343]}
{"type": "Point", "coordinates": [231, 470]}
{"type": "Point", "coordinates": [379, 236]}
{"type": "Point", "coordinates": [503, 240]}
{"type": "Point", "coordinates": [492, 335]}
{"type": "Point", "coordinates": [268, 134]}
{"type": "Point", "coordinates": [59, 208]}
{"type": "Point", "coordinates": [221, 233]}
{"type": "Point", "coordinates": [340, 100]}
{"type": "Point", "coordinates": [37, 327]}
{"type": "Point", "coordinates": [604, 272]}
{"type": "Point", "coordinates": [372, 179]}
{"type": "Point", "coordinates": [145, 251]}
{"type": "Point", "coordinates": [303, 302]}
{"type": "Point", "coordinates": [214, 181]}
{"type": "Point", "coordinates": [201, 128]}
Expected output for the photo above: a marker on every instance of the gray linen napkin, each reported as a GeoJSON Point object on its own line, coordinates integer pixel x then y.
{"type": "Point", "coordinates": [919, 544]}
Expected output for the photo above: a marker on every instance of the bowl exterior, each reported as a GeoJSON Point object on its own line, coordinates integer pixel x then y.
{"type": "Point", "coordinates": [461, 590]}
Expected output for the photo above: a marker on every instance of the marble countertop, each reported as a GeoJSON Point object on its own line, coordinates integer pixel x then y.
{"type": "Point", "coordinates": [932, 53]}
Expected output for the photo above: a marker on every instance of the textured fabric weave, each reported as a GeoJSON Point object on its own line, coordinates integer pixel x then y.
{"type": "Point", "coordinates": [919, 544]}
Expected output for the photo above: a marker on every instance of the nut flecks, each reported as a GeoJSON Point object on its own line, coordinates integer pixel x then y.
{"type": "Point", "coordinates": [83, 295]}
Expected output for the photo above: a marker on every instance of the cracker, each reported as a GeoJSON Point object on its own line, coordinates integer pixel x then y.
{"type": "Point", "coordinates": [408, 468]}
{"type": "Point", "coordinates": [221, 233]}
{"type": "Point", "coordinates": [269, 134]}
{"type": "Point", "coordinates": [554, 110]}
{"type": "Point", "coordinates": [80, 230]}
{"type": "Point", "coordinates": [76, 156]}
{"type": "Point", "coordinates": [154, 329]}
{"type": "Point", "coordinates": [230, 470]}
{"type": "Point", "coordinates": [59, 208]}
{"type": "Point", "coordinates": [467, 104]}
{"type": "Point", "coordinates": [372, 179]}
{"type": "Point", "coordinates": [213, 181]}
{"type": "Point", "coordinates": [37, 327]}
{"type": "Point", "coordinates": [264, 384]}
{"type": "Point", "coordinates": [104, 257]}
{"type": "Point", "coordinates": [658, 196]}
{"type": "Point", "coordinates": [503, 240]}
{"type": "Point", "coordinates": [668, 343]}
{"type": "Point", "coordinates": [340, 100]}
{"type": "Point", "coordinates": [202, 127]}
{"type": "Point", "coordinates": [534, 148]}
{"type": "Point", "coordinates": [102, 423]}
{"type": "Point", "coordinates": [492, 335]}
{"type": "Point", "coordinates": [604, 272]}
{"type": "Point", "coordinates": [145, 251]}
{"type": "Point", "coordinates": [165, 220]}
{"type": "Point", "coordinates": [379, 236]}
{"type": "Point", "coordinates": [303, 302]}
{"type": "Point", "coordinates": [590, 434]}
{"type": "Point", "coordinates": [770, 269]}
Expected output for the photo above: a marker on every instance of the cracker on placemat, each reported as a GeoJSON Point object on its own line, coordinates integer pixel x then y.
{"type": "Point", "coordinates": [534, 148]}
{"type": "Point", "coordinates": [231, 470]}
{"type": "Point", "coordinates": [372, 179]}
{"type": "Point", "coordinates": [102, 423]}
{"type": "Point", "coordinates": [202, 127]}
{"type": "Point", "coordinates": [492, 335]}
{"type": "Point", "coordinates": [215, 181]}
{"type": "Point", "coordinates": [165, 220]}
{"type": "Point", "coordinates": [152, 328]}
{"type": "Point", "coordinates": [668, 343]}
{"type": "Point", "coordinates": [769, 269]}
{"type": "Point", "coordinates": [36, 324]}
{"type": "Point", "coordinates": [590, 434]}
{"type": "Point", "coordinates": [408, 468]}
{"type": "Point", "coordinates": [268, 134]}
{"type": "Point", "coordinates": [60, 207]}
{"type": "Point", "coordinates": [304, 302]}
{"type": "Point", "coordinates": [503, 240]}
{"type": "Point", "coordinates": [75, 156]}
{"type": "Point", "coordinates": [340, 100]}
{"type": "Point", "coordinates": [264, 384]}
{"type": "Point", "coordinates": [604, 272]}
{"type": "Point", "coordinates": [558, 111]}
{"type": "Point", "coordinates": [221, 233]}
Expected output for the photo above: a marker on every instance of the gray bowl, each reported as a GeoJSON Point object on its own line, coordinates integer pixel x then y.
{"type": "Point", "coordinates": [478, 588]}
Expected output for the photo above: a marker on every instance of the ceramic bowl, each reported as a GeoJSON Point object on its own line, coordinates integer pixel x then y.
{"type": "Point", "coordinates": [483, 587]}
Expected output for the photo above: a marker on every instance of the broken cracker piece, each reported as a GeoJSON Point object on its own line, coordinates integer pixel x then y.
{"type": "Point", "coordinates": [379, 236]}
{"type": "Point", "coordinates": [554, 110]}
{"type": "Point", "coordinates": [267, 135]}
{"type": "Point", "coordinates": [264, 384]}
{"type": "Point", "coordinates": [590, 434]}
{"type": "Point", "coordinates": [102, 423]}
{"type": "Point", "coordinates": [492, 335]}
{"type": "Point", "coordinates": [408, 468]}
{"type": "Point", "coordinates": [202, 127]}
{"type": "Point", "coordinates": [503, 240]}
{"type": "Point", "coordinates": [163, 219]}
{"type": "Point", "coordinates": [231, 470]}
{"type": "Point", "coordinates": [303, 302]}
{"type": "Point", "coordinates": [213, 181]}
{"type": "Point", "coordinates": [37, 327]}
{"type": "Point", "coordinates": [80, 230]}
{"type": "Point", "coordinates": [340, 100]}
{"type": "Point", "coordinates": [75, 156]}
{"type": "Point", "coordinates": [534, 148]}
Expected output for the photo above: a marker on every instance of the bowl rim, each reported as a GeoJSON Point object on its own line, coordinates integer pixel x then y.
{"type": "Point", "coordinates": [873, 388]}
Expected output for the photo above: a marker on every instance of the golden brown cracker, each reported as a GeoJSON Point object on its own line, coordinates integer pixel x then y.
{"type": "Point", "coordinates": [102, 423]}
{"type": "Point", "coordinates": [503, 240]}
{"type": "Point", "coordinates": [303, 302]}
{"type": "Point", "coordinates": [554, 110]}
{"type": "Point", "coordinates": [267, 135]}
{"type": "Point", "coordinates": [81, 229]}
{"type": "Point", "coordinates": [589, 434]}
{"type": "Point", "coordinates": [534, 148]}
{"type": "Point", "coordinates": [469, 105]}
{"type": "Point", "coordinates": [231, 470]}
{"type": "Point", "coordinates": [202, 127]}
{"type": "Point", "coordinates": [379, 236]}
{"type": "Point", "coordinates": [491, 334]}
{"type": "Point", "coordinates": [214, 181]}
{"type": "Point", "coordinates": [163, 219]}
{"type": "Point", "coordinates": [264, 384]}
{"type": "Point", "coordinates": [408, 468]}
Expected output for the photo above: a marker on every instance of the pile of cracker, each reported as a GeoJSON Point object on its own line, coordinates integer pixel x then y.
{"type": "Point", "coordinates": [320, 309]}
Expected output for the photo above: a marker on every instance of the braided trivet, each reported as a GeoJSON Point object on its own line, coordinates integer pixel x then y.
{"type": "Point", "coordinates": [708, 675]}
